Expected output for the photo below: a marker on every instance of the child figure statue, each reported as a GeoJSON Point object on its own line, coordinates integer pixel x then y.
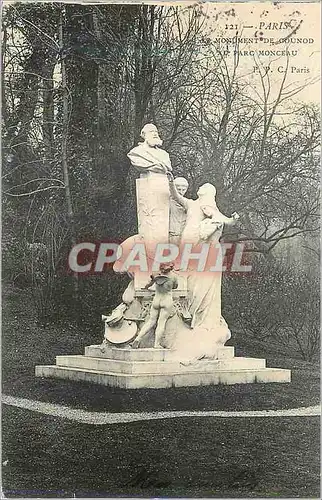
{"type": "Point", "coordinates": [162, 307]}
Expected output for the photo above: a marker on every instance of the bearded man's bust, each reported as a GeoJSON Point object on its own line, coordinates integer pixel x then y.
{"type": "Point", "coordinates": [148, 155]}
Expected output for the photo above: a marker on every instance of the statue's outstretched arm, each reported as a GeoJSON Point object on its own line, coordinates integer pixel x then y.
{"type": "Point", "coordinates": [151, 282]}
{"type": "Point", "coordinates": [175, 282]}
{"type": "Point", "coordinates": [215, 214]}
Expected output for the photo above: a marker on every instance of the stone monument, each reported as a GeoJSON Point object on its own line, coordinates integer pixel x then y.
{"type": "Point", "coordinates": [168, 331]}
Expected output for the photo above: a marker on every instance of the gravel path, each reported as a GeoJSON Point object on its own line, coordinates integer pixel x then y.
{"type": "Point", "coordinates": [100, 418]}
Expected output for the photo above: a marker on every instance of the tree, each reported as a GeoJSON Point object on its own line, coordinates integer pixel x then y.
{"type": "Point", "coordinates": [80, 81]}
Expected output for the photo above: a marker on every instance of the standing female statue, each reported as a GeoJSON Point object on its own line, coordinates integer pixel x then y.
{"type": "Point", "coordinates": [204, 224]}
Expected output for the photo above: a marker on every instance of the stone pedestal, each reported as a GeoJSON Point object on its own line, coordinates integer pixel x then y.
{"type": "Point", "coordinates": [155, 368]}
{"type": "Point", "coordinates": [152, 195]}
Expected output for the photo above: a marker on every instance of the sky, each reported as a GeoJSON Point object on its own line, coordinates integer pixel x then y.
{"type": "Point", "coordinates": [292, 27]}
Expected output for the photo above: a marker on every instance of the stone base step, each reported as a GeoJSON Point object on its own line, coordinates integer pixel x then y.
{"type": "Point", "coordinates": [155, 381]}
{"type": "Point", "coordinates": [147, 354]}
{"type": "Point", "coordinates": [156, 367]}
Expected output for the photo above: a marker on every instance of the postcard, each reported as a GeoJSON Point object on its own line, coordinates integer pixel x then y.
{"type": "Point", "coordinates": [160, 250]}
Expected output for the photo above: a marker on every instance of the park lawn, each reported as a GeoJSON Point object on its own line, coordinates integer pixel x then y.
{"type": "Point", "coordinates": [189, 457]}
{"type": "Point", "coordinates": [26, 344]}
{"type": "Point", "coordinates": [185, 457]}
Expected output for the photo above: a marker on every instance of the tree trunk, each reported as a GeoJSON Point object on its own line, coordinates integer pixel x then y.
{"type": "Point", "coordinates": [3, 52]}
{"type": "Point", "coordinates": [48, 108]}
{"type": "Point", "coordinates": [144, 69]}
{"type": "Point", "coordinates": [70, 212]}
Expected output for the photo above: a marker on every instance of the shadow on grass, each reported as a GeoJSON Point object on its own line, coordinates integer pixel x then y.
{"type": "Point", "coordinates": [189, 458]}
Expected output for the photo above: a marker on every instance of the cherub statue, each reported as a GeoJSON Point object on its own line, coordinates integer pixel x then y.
{"type": "Point", "coordinates": [162, 307]}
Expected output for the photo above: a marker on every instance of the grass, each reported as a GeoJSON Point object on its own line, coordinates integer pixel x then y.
{"type": "Point", "coordinates": [26, 344]}
{"type": "Point", "coordinates": [188, 457]}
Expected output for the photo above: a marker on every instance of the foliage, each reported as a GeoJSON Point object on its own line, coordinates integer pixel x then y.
{"type": "Point", "coordinates": [276, 306]}
{"type": "Point", "coordinates": [79, 82]}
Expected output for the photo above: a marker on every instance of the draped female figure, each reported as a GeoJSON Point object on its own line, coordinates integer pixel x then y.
{"type": "Point", "coordinates": [204, 224]}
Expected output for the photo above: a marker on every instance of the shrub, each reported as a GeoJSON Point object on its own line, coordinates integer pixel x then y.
{"type": "Point", "coordinates": [277, 306]}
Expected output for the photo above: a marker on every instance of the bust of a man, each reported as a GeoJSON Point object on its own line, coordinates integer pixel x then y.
{"type": "Point", "coordinates": [148, 155]}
